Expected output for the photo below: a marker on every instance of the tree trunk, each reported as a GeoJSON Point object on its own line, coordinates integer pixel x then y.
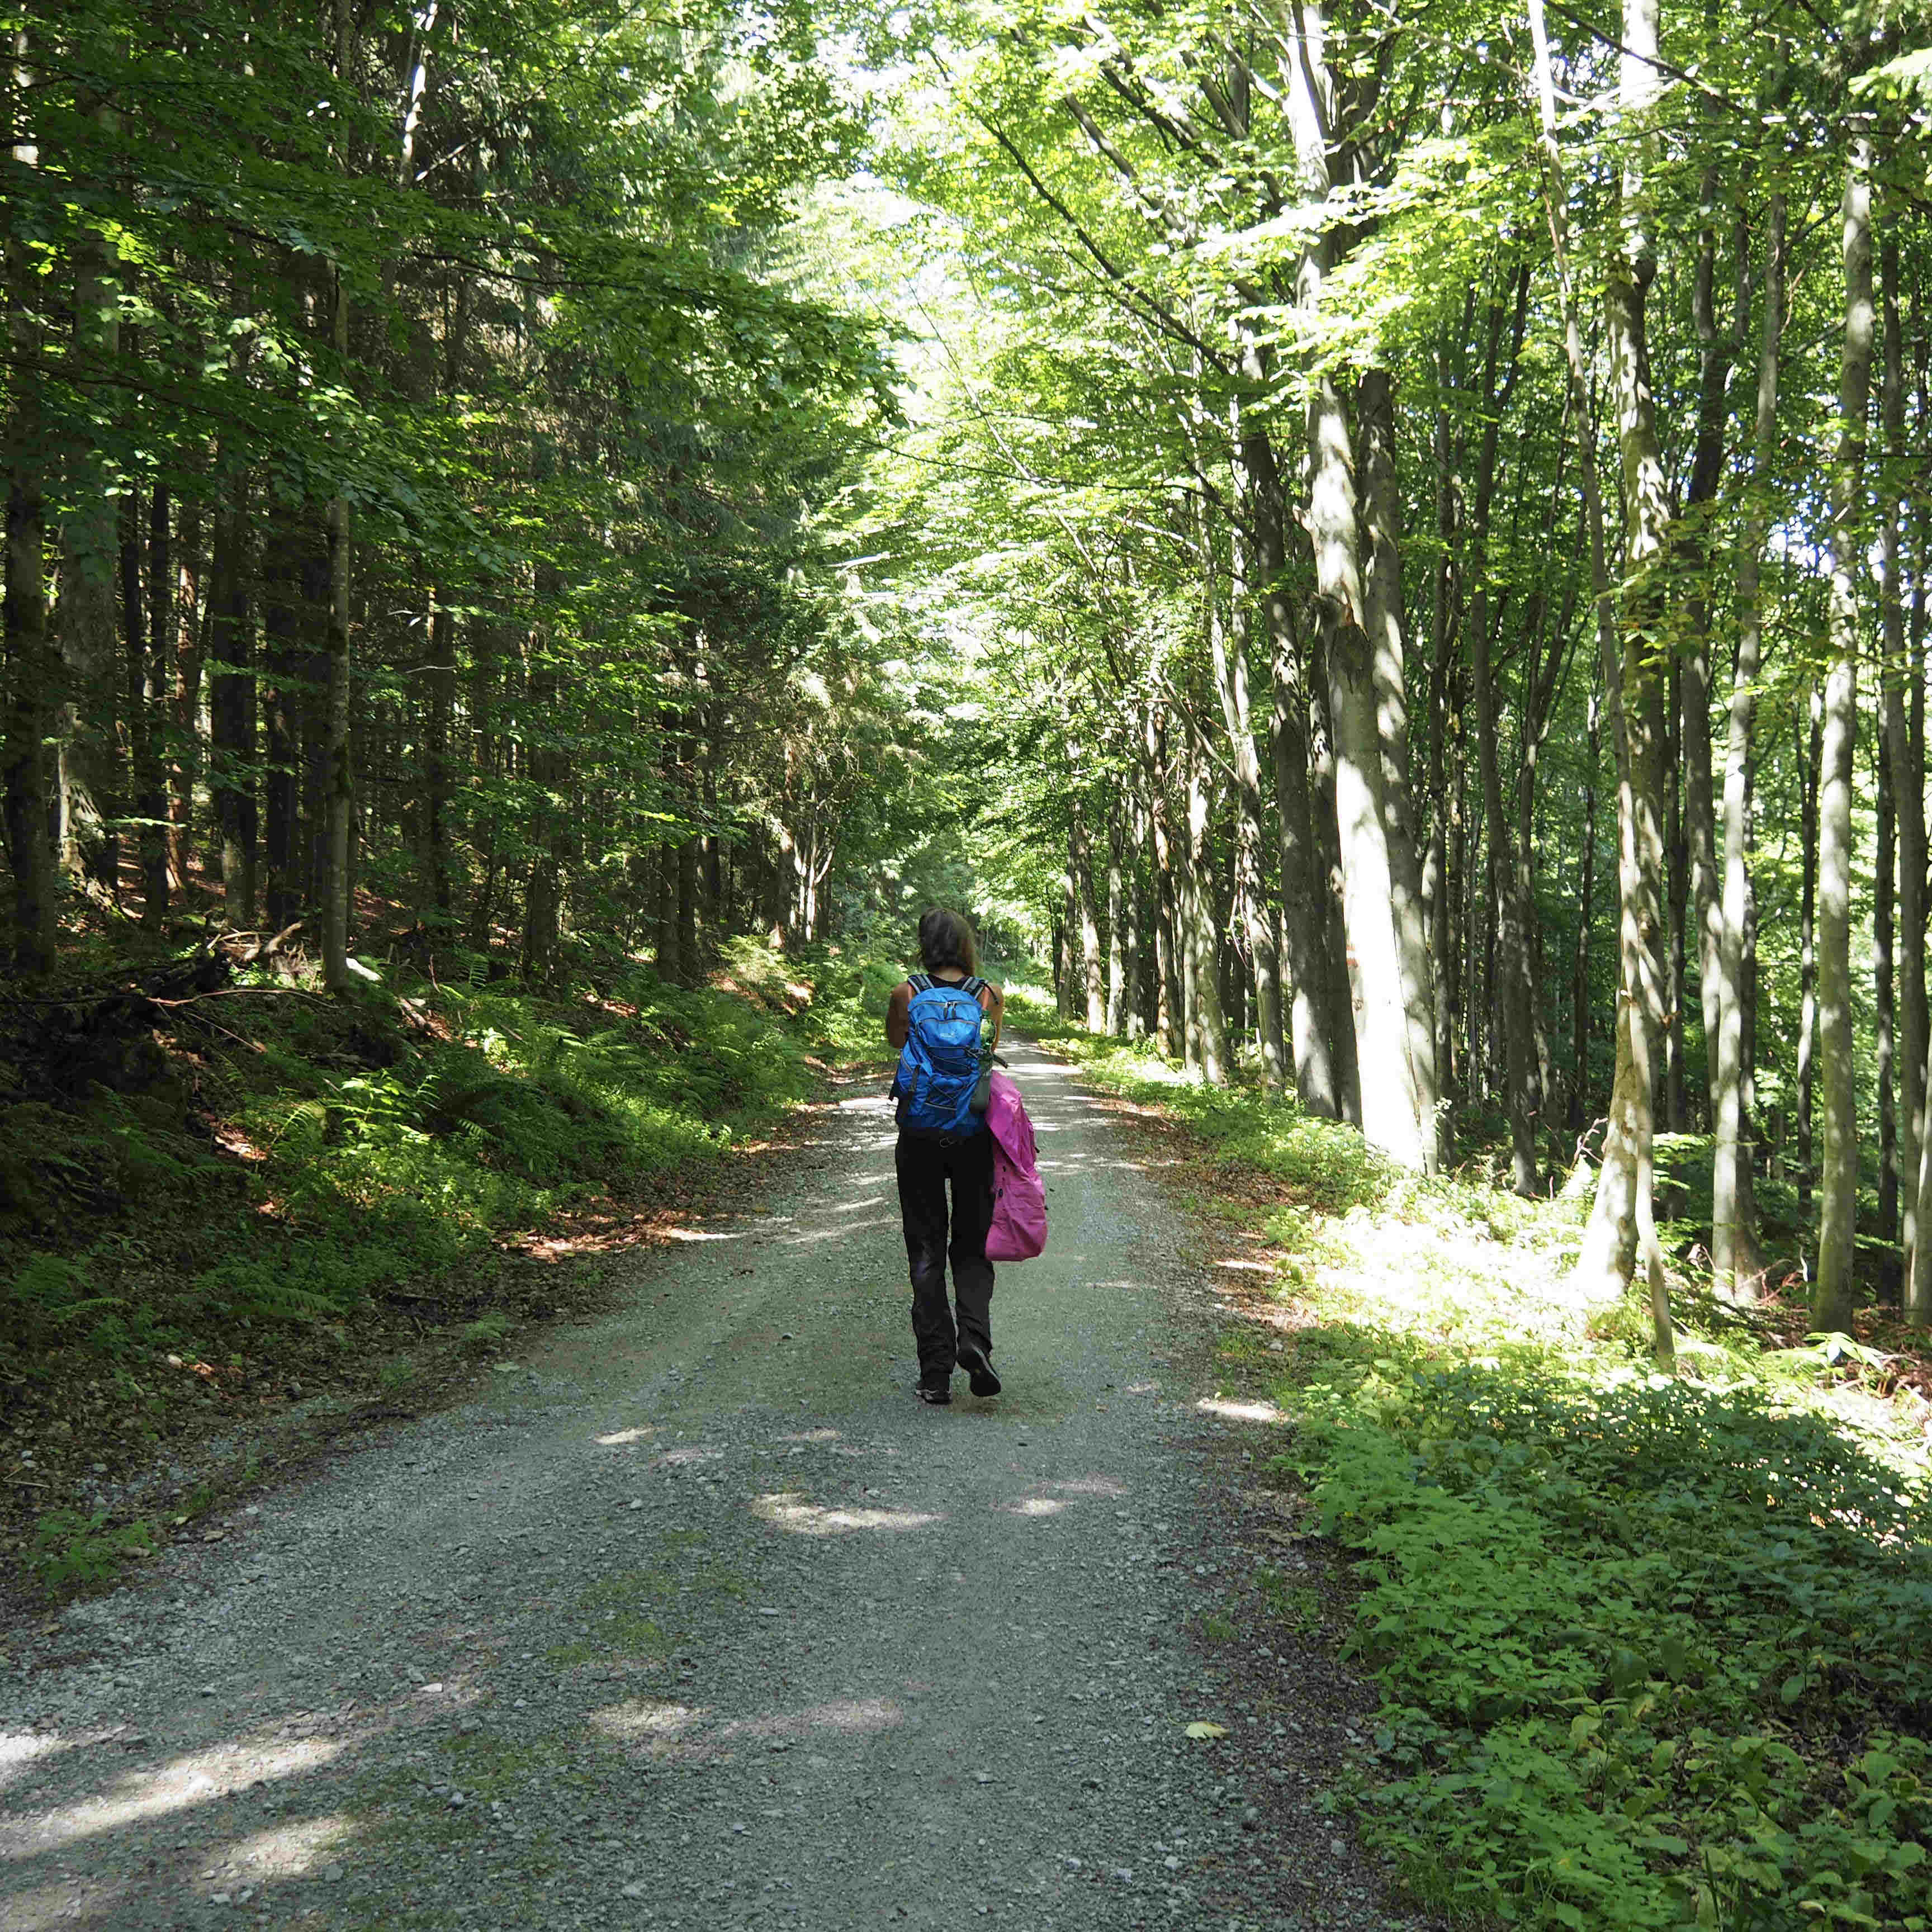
{"type": "Point", "coordinates": [1509, 980]}
{"type": "Point", "coordinates": [1168, 1025]}
{"type": "Point", "coordinates": [1209, 1026]}
{"type": "Point", "coordinates": [1716, 350]}
{"type": "Point", "coordinates": [1838, 1179]}
{"type": "Point", "coordinates": [281, 628]}
{"type": "Point", "coordinates": [1733, 1239]}
{"type": "Point", "coordinates": [1091, 994]}
{"type": "Point", "coordinates": [1810, 764]}
{"type": "Point", "coordinates": [665, 957]}
{"type": "Point", "coordinates": [1229, 650]}
{"type": "Point", "coordinates": [336, 886]}
{"type": "Point", "coordinates": [1439, 887]}
{"type": "Point", "coordinates": [1621, 1224]}
{"type": "Point", "coordinates": [1303, 891]}
{"type": "Point", "coordinates": [1381, 530]}
{"type": "Point", "coordinates": [33, 660]}
{"type": "Point", "coordinates": [1676, 893]}
{"type": "Point", "coordinates": [231, 705]}
{"type": "Point", "coordinates": [1884, 1006]}
{"type": "Point", "coordinates": [688, 853]}
{"type": "Point", "coordinates": [150, 724]}
{"type": "Point", "coordinates": [543, 909]}
{"type": "Point", "coordinates": [1580, 971]}
{"type": "Point", "coordinates": [1117, 925]}
{"type": "Point", "coordinates": [185, 691]}
{"type": "Point", "coordinates": [1133, 944]}
{"type": "Point", "coordinates": [88, 761]}
{"type": "Point", "coordinates": [438, 691]}
{"type": "Point", "coordinates": [1905, 760]}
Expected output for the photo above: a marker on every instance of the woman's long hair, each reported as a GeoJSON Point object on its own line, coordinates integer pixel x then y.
{"type": "Point", "coordinates": [945, 939]}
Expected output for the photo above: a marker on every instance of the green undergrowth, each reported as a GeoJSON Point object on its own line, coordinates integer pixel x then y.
{"type": "Point", "coordinates": [1651, 1652]}
{"type": "Point", "coordinates": [293, 1186]}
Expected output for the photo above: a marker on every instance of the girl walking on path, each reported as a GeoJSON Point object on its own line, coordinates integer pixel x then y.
{"type": "Point", "coordinates": [942, 1142]}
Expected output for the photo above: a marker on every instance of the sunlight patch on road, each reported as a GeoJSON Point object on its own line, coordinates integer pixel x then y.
{"type": "Point", "coordinates": [200, 1778]}
{"type": "Point", "coordinates": [1239, 1412]}
{"type": "Point", "coordinates": [618, 1438]}
{"type": "Point", "coordinates": [287, 1851]}
{"type": "Point", "coordinates": [853, 1716]}
{"type": "Point", "coordinates": [639, 1720]}
{"type": "Point", "coordinates": [788, 1510]}
{"type": "Point", "coordinates": [64, 1902]}
{"type": "Point", "coordinates": [698, 1235]}
{"type": "Point", "coordinates": [1035, 1506]}
{"type": "Point", "coordinates": [1246, 1266]}
{"type": "Point", "coordinates": [18, 1749]}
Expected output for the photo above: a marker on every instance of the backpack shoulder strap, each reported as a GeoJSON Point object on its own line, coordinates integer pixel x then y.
{"type": "Point", "coordinates": [920, 982]}
{"type": "Point", "coordinates": [974, 984]}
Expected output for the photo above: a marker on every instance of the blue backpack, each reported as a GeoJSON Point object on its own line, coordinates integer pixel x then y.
{"type": "Point", "coordinates": [943, 1059]}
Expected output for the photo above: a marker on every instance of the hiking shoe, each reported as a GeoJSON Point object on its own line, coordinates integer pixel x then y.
{"type": "Point", "coordinates": [938, 1393]}
{"type": "Point", "coordinates": [973, 1359]}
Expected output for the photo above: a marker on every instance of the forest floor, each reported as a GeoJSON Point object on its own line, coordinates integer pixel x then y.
{"type": "Point", "coordinates": [672, 1606]}
{"type": "Point", "coordinates": [240, 1222]}
{"type": "Point", "coordinates": [692, 1615]}
{"type": "Point", "coordinates": [1648, 1649]}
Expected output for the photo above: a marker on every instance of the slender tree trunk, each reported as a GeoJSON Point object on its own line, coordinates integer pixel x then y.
{"type": "Point", "coordinates": [1170, 1025]}
{"type": "Point", "coordinates": [1509, 981]}
{"type": "Point", "coordinates": [1381, 530]}
{"type": "Point", "coordinates": [1809, 765]}
{"type": "Point", "coordinates": [1884, 1012]}
{"type": "Point", "coordinates": [33, 659]}
{"type": "Point", "coordinates": [281, 627]}
{"type": "Point", "coordinates": [1133, 1024]}
{"type": "Point", "coordinates": [151, 720]}
{"type": "Point", "coordinates": [1203, 946]}
{"type": "Point", "coordinates": [1580, 1002]}
{"type": "Point", "coordinates": [185, 691]}
{"type": "Point", "coordinates": [88, 762]}
{"type": "Point", "coordinates": [1716, 350]}
{"type": "Point", "coordinates": [1622, 1225]}
{"type": "Point", "coordinates": [439, 703]}
{"type": "Point", "coordinates": [689, 854]}
{"type": "Point", "coordinates": [666, 959]}
{"type": "Point", "coordinates": [1304, 957]}
{"type": "Point", "coordinates": [1676, 894]}
{"type": "Point", "coordinates": [1439, 888]}
{"type": "Point", "coordinates": [1090, 967]}
{"type": "Point", "coordinates": [231, 705]}
{"type": "Point", "coordinates": [543, 910]}
{"type": "Point", "coordinates": [1116, 924]}
{"type": "Point", "coordinates": [1733, 1240]}
{"type": "Point", "coordinates": [1229, 650]}
{"type": "Point", "coordinates": [1838, 1180]}
{"type": "Point", "coordinates": [1904, 744]}
{"type": "Point", "coordinates": [336, 887]}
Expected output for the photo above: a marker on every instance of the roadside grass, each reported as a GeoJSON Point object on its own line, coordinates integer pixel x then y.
{"type": "Point", "coordinates": [302, 1195]}
{"type": "Point", "coordinates": [1651, 1651]}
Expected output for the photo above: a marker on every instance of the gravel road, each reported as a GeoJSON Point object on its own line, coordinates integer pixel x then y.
{"type": "Point", "coordinates": [695, 1617]}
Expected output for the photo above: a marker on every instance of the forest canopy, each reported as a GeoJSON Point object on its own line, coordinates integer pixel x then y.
{"type": "Point", "coordinates": [1387, 546]}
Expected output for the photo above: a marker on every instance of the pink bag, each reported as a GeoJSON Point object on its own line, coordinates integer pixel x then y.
{"type": "Point", "coordinates": [1018, 1231]}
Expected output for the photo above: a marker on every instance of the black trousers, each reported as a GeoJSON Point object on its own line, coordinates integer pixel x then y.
{"type": "Point", "coordinates": [925, 1167]}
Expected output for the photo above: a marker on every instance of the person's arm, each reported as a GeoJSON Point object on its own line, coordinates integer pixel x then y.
{"type": "Point", "coordinates": [898, 1015]}
{"type": "Point", "coordinates": [995, 1002]}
